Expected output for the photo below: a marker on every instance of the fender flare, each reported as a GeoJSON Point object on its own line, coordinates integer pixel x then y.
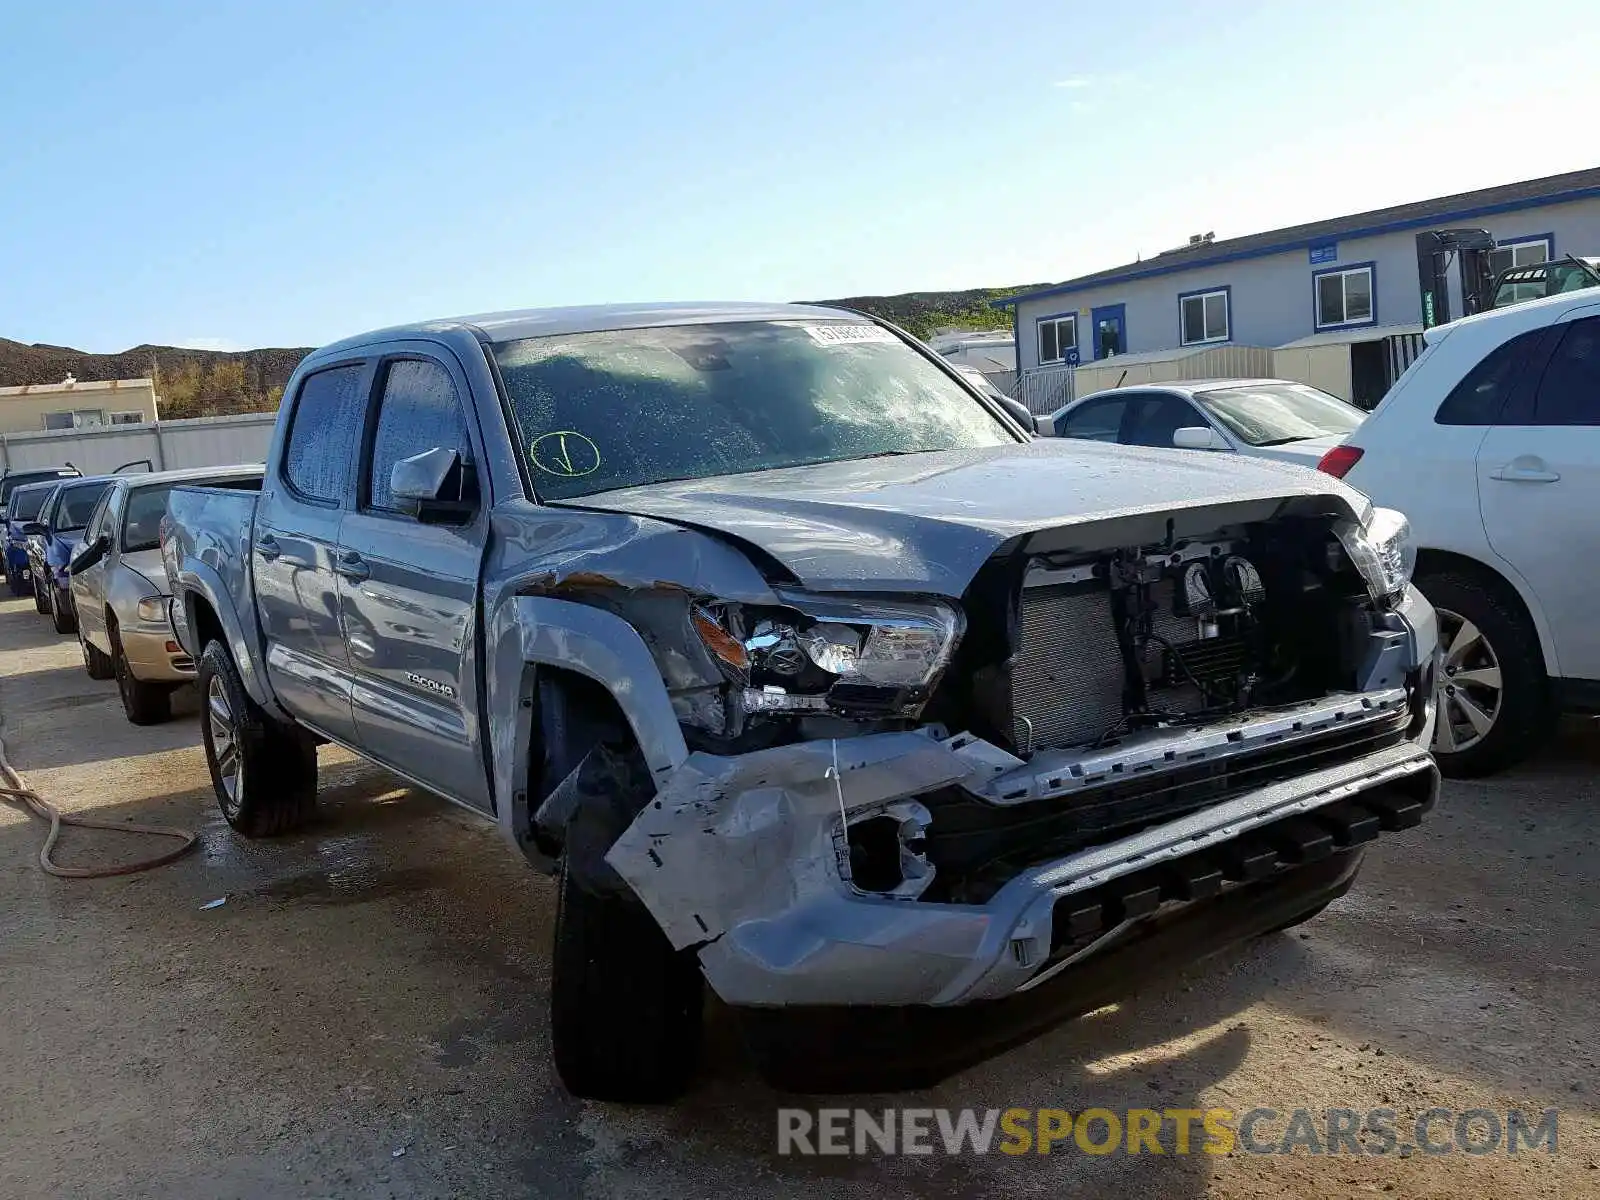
{"type": "Point", "coordinates": [197, 580]}
{"type": "Point", "coordinates": [529, 632]}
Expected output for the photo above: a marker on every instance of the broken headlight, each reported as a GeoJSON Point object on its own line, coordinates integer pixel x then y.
{"type": "Point", "coordinates": [821, 654]}
{"type": "Point", "coordinates": [1382, 549]}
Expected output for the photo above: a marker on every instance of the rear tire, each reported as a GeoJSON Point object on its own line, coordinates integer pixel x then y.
{"type": "Point", "coordinates": [1493, 703]}
{"type": "Point", "coordinates": [144, 703]}
{"type": "Point", "coordinates": [625, 1007]}
{"type": "Point", "coordinates": [61, 614]}
{"type": "Point", "coordinates": [98, 665]}
{"type": "Point", "coordinates": [264, 772]}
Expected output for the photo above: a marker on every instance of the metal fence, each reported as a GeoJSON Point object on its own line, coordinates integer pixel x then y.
{"type": "Point", "coordinates": [1045, 389]}
{"type": "Point", "coordinates": [169, 445]}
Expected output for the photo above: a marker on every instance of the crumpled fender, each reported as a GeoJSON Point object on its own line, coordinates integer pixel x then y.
{"type": "Point", "coordinates": [728, 839]}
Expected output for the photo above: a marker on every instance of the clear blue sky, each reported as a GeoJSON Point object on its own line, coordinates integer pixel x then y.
{"type": "Point", "coordinates": [245, 174]}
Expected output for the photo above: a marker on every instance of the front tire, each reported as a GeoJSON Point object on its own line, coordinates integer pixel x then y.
{"type": "Point", "coordinates": [1492, 699]}
{"type": "Point", "coordinates": [625, 1006]}
{"type": "Point", "coordinates": [41, 602]}
{"type": "Point", "coordinates": [264, 772]}
{"type": "Point", "coordinates": [15, 582]}
{"type": "Point", "coordinates": [144, 703]}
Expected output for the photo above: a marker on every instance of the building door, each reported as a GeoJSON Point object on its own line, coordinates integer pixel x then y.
{"type": "Point", "coordinates": [1110, 328]}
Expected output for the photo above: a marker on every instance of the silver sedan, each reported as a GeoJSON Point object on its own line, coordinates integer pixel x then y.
{"type": "Point", "coordinates": [120, 589]}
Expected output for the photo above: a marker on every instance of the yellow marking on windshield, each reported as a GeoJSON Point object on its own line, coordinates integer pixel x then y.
{"type": "Point", "coordinates": [564, 452]}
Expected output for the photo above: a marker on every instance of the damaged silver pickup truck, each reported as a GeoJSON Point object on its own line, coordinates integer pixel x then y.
{"type": "Point", "coordinates": [809, 673]}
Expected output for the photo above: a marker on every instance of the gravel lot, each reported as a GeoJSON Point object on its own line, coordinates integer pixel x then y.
{"type": "Point", "coordinates": [365, 1014]}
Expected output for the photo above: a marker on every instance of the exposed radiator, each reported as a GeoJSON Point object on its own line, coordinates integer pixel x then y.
{"type": "Point", "coordinates": [1067, 675]}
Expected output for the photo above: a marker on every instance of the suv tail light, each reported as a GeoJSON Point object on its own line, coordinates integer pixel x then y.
{"type": "Point", "coordinates": [1338, 461]}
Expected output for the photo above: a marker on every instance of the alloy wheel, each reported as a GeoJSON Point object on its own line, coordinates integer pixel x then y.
{"type": "Point", "coordinates": [1467, 690]}
{"type": "Point", "coordinates": [224, 744]}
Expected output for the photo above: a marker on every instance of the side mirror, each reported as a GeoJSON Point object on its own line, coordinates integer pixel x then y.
{"type": "Point", "coordinates": [90, 554]}
{"type": "Point", "coordinates": [437, 486]}
{"type": "Point", "coordinates": [1198, 437]}
{"type": "Point", "coordinates": [32, 529]}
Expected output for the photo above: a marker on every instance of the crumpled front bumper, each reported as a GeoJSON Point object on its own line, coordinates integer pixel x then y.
{"type": "Point", "coordinates": [742, 856]}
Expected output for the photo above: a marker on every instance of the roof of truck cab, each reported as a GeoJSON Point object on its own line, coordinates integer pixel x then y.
{"type": "Point", "coordinates": [589, 318]}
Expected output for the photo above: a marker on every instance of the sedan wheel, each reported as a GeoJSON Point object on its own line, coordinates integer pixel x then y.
{"type": "Point", "coordinates": [225, 746]}
{"type": "Point", "coordinates": [1468, 690]}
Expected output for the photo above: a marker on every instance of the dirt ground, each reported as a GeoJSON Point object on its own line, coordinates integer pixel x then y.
{"type": "Point", "coordinates": [365, 1015]}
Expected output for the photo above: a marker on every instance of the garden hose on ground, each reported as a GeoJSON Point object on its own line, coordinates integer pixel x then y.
{"type": "Point", "coordinates": [15, 788]}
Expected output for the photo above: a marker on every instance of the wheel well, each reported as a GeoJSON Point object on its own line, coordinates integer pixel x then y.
{"type": "Point", "coordinates": [205, 623]}
{"type": "Point", "coordinates": [1441, 562]}
{"type": "Point", "coordinates": [573, 714]}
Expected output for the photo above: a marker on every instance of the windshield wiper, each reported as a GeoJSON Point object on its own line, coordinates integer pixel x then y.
{"type": "Point", "coordinates": [1284, 441]}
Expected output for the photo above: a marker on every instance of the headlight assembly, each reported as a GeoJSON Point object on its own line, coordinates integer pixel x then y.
{"type": "Point", "coordinates": [152, 609]}
{"type": "Point", "coordinates": [818, 654]}
{"type": "Point", "coordinates": [1382, 549]}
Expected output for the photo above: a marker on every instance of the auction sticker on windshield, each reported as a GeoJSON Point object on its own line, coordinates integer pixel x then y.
{"type": "Point", "coordinates": [848, 335]}
{"type": "Point", "coordinates": [564, 452]}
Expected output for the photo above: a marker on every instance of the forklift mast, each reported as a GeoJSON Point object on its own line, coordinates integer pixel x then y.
{"type": "Point", "coordinates": [1435, 249]}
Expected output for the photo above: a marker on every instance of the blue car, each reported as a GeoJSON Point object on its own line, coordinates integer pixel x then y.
{"type": "Point", "coordinates": [13, 515]}
{"type": "Point", "coordinates": [54, 538]}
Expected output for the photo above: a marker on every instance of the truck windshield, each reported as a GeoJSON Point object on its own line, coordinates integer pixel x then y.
{"type": "Point", "coordinates": [617, 408]}
{"type": "Point", "coordinates": [76, 505]}
{"type": "Point", "coordinates": [1271, 414]}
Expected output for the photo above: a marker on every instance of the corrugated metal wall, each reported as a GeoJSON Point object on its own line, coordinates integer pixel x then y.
{"type": "Point", "coordinates": [202, 442]}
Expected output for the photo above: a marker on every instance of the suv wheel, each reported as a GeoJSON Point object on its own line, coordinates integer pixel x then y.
{"type": "Point", "coordinates": [98, 665]}
{"type": "Point", "coordinates": [264, 772]}
{"type": "Point", "coordinates": [1491, 697]}
{"type": "Point", "coordinates": [625, 1006]}
{"type": "Point", "coordinates": [144, 703]}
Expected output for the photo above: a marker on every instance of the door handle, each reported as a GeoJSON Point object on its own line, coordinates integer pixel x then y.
{"type": "Point", "coordinates": [351, 566]}
{"type": "Point", "coordinates": [267, 547]}
{"type": "Point", "coordinates": [1525, 470]}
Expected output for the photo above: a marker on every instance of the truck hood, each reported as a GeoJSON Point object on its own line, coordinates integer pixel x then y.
{"type": "Point", "coordinates": [927, 522]}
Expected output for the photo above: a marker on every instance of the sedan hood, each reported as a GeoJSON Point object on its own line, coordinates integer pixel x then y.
{"type": "Point", "coordinates": [927, 522]}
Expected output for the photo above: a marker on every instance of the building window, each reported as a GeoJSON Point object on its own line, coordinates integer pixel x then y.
{"type": "Point", "coordinates": [1523, 252]}
{"type": "Point", "coordinates": [127, 418]}
{"type": "Point", "coordinates": [1344, 297]}
{"type": "Point", "coordinates": [1203, 317]}
{"type": "Point", "coordinates": [1058, 339]}
{"type": "Point", "coordinates": [79, 418]}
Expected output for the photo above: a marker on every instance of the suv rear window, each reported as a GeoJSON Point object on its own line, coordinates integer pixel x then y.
{"type": "Point", "coordinates": [1482, 394]}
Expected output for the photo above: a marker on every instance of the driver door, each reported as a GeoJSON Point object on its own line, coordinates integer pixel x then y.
{"type": "Point", "coordinates": [89, 586]}
{"type": "Point", "coordinates": [408, 589]}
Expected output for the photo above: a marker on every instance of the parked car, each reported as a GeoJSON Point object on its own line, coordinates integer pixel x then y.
{"type": "Point", "coordinates": [16, 550]}
{"type": "Point", "coordinates": [1491, 444]}
{"type": "Point", "coordinates": [26, 501]}
{"type": "Point", "coordinates": [53, 540]}
{"type": "Point", "coordinates": [805, 674]}
{"type": "Point", "coordinates": [1264, 418]}
{"type": "Point", "coordinates": [119, 589]}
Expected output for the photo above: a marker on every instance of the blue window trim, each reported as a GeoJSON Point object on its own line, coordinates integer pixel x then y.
{"type": "Point", "coordinates": [1120, 312]}
{"type": "Point", "coordinates": [1345, 269]}
{"type": "Point", "coordinates": [1227, 291]}
{"type": "Point", "coordinates": [1435, 219]}
{"type": "Point", "coordinates": [1038, 321]}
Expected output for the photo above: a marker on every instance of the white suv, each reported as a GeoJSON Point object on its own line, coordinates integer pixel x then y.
{"type": "Point", "coordinates": [1490, 444]}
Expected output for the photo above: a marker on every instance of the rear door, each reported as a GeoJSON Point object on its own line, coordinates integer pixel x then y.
{"type": "Point", "coordinates": [296, 541]}
{"type": "Point", "coordinates": [1539, 486]}
{"type": "Point", "coordinates": [408, 589]}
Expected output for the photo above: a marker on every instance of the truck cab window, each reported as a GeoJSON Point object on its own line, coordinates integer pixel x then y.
{"type": "Point", "coordinates": [317, 461]}
{"type": "Point", "coordinates": [419, 410]}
